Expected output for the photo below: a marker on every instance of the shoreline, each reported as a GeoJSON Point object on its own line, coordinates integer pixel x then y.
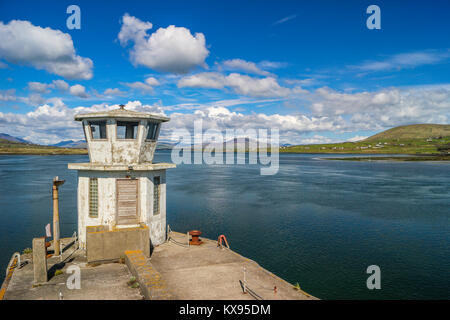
{"type": "Point", "coordinates": [399, 158]}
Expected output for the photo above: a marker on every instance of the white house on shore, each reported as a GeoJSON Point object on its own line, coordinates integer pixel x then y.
{"type": "Point", "coordinates": [121, 187]}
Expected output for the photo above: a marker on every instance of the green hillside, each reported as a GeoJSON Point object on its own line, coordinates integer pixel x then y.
{"type": "Point", "coordinates": [11, 147]}
{"type": "Point", "coordinates": [414, 131]}
{"type": "Point", "coordinates": [411, 139]}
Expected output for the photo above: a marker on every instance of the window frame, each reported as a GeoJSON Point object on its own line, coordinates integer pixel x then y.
{"type": "Point", "coordinates": [156, 130]}
{"type": "Point", "coordinates": [125, 121]}
{"type": "Point", "coordinates": [90, 122]}
{"type": "Point", "coordinates": [92, 214]}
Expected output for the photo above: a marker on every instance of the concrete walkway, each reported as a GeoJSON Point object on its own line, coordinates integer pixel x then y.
{"type": "Point", "coordinates": [98, 282]}
{"type": "Point", "coordinates": [174, 271]}
{"type": "Point", "coordinates": [208, 272]}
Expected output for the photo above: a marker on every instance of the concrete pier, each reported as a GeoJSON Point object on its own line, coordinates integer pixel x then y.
{"type": "Point", "coordinates": [174, 271]}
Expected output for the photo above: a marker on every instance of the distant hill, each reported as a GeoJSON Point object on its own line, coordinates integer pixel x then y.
{"type": "Point", "coordinates": [78, 144]}
{"type": "Point", "coordinates": [14, 147]}
{"type": "Point", "coordinates": [413, 131]}
{"type": "Point", "coordinates": [7, 137]}
{"type": "Point", "coordinates": [411, 139]}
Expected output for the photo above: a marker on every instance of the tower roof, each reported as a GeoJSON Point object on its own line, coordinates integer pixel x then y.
{"type": "Point", "coordinates": [121, 113]}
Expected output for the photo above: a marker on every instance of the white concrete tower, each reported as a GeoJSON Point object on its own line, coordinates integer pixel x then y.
{"type": "Point", "coordinates": [121, 187]}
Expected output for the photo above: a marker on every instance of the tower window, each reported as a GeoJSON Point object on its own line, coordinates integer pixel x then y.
{"type": "Point", "coordinates": [127, 130]}
{"type": "Point", "coordinates": [93, 197]}
{"type": "Point", "coordinates": [98, 129]}
{"type": "Point", "coordinates": [152, 130]}
{"type": "Point", "coordinates": [156, 194]}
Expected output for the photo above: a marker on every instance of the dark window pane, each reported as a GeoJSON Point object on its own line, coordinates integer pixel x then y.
{"type": "Point", "coordinates": [98, 129]}
{"type": "Point", "coordinates": [127, 130]}
{"type": "Point", "coordinates": [156, 192]}
{"type": "Point", "coordinates": [152, 129]}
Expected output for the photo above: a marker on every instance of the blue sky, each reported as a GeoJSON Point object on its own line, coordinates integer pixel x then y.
{"type": "Point", "coordinates": [310, 68]}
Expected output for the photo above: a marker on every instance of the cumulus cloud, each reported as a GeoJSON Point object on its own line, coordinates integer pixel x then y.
{"type": "Point", "coordinates": [146, 86]}
{"type": "Point", "coordinates": [172, 49]}
{"type": "Point", "coordinates": [242, 65]}
{"type": "Point", "coordinates": [291, 127]}
{"type": "Point", "coordinates": [79, 91]}
{"type": "Point", "coordinates": [385, 108]}
{"type": "Point", "coordinates": [316, 139]}
{"type": "Point", "coordinates": [43, 48]}
{"type": "Point", "coordinates": [38, 87]}
{"type": "Point", "coordinates": [60, 85]}
{"type": "Point", "coordinates": [54, 121]}
{"type": "Point", "coordinates": [241, 84]}
{"type": "Point", "coordinates": [45, 87]}
{"type": "Point", "coordinates": [113, 92]}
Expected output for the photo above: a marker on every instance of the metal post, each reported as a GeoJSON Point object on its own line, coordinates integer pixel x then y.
{"type": "Point", "coordinates": [56, 244]}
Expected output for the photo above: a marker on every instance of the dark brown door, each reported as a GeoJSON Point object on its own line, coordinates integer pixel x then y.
{"type": "Point", "coordinates": [127, 201]}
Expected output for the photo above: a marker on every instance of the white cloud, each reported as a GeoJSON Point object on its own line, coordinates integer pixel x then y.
{"type": "Point", "coordinates": [242, 65]}
{"type": "Point", "coordinates": [316, 139]}
{"type": "Point", "coordinates": [404, 60]}
{"type": "Point", "coordinates": [213, 80]}
{"type": "Point", "coordinates": [43, 48]}
{"type": "Point", "coordinates": [33, 99]}
{"type": "Point", "coordinates": [146, 86]}
{"type": "Point", "coordinates": [258, 87]}
{"type": "Point", "coordinates": [292, 127]}
{"type": "Point", "coordinates": [241, 84]}
{"type": "Point", "coordinates": [385, 108]}
{"type": "Point", "coordinates": [45, 87]}
{"type": "Point", "coordinates": [38, 87]}
{"type": "Point", "coordinates": [357, 138]}
{"type": "Point", "coordinates": [113, 92]}
{"type": "Point", "coordinates": [54, 121]}
{"type": "Point", "coordinates": [285, 19]}
{"type": "Point", "coordinates": [172, 49]}
{"type": "Point", "coordinates": [61, 85]}
{"type": "Point", "coordinates": [8, 95]}
{"type": "Point", "coordinates": [79, 91]}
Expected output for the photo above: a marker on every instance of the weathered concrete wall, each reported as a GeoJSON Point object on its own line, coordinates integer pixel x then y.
{"type": "Point", "coordinates": [107, 202]}
{"type": "Point", "coordinates": [120, 151]}
{"type": "Point", "coordinates": [104, 245]}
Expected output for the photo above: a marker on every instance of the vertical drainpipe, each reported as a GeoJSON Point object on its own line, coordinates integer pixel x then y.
{"type": "Point", "coordinates": [56, 245]}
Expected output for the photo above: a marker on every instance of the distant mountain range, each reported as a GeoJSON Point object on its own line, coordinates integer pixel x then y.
{"type": "Point", "coordinates": [8, 137]}
{"type": "Point", "coordinates": [78, 144]}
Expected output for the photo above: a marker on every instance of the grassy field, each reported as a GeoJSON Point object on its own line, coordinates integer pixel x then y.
{"type": "Point", "coordinates": [396, 146]}
{"type": "Point", "coordinates": [397, 158]}
{"type": "Point", "coordinates": [8, 147]}
{"type": "Point", "coordinates": [413, 139]}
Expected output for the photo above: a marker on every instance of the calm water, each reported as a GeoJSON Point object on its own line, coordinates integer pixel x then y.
{"type": "Point", "coordinates": [317, 222]}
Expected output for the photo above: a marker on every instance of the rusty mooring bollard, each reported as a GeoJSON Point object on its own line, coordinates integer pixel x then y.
{"type": "Point", "coordinates": [195, 241]}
